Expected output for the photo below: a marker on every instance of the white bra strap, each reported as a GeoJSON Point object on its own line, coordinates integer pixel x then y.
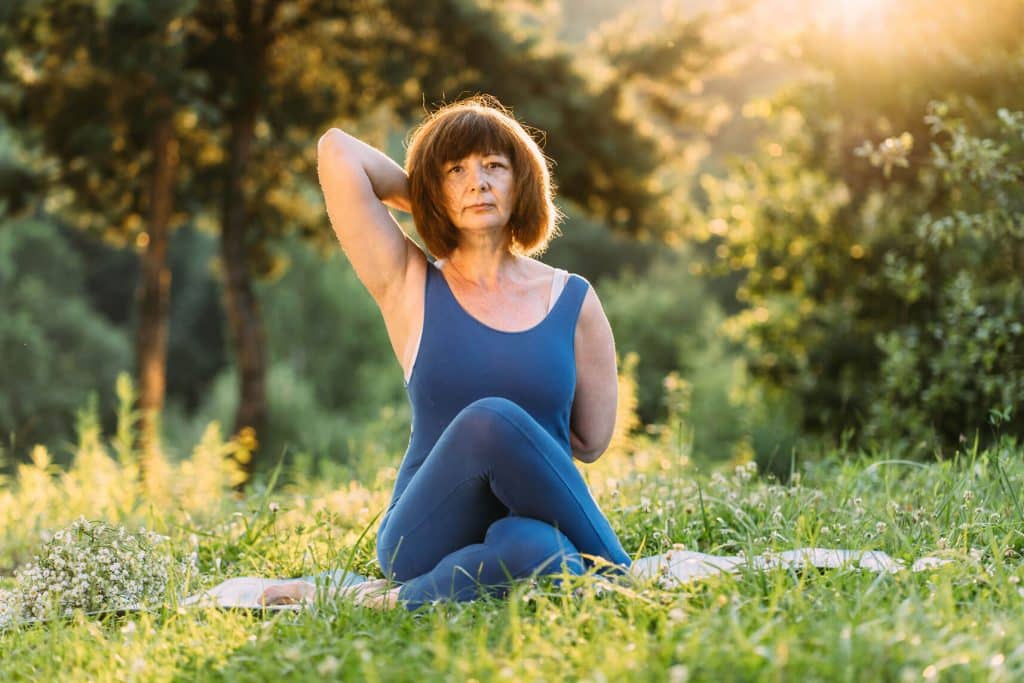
{"type": "Point", "coordinates": [557, 285]}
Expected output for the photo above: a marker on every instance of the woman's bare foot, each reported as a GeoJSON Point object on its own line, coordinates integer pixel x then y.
{"type": "Point", "coordinates": [288, 593]}
{"type": "Point", "coordinates": [376, 594]}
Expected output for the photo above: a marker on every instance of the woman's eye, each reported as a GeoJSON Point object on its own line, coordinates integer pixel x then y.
{"type": "Point", "coordinates": [455, 169]}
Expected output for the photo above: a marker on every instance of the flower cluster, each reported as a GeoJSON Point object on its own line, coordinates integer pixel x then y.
{"type": "Point", "coordinates": [10, 608]}
{"type": "Point", "coordinates": [92, 566]}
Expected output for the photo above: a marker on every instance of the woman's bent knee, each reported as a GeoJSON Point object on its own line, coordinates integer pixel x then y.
{"type": "Point", "coordinates": [396, 564]}
{"type": "Point", "coordinates": [538, 546]}
{"type": "Point", "coordinates": [491, 407]}
{"type": "Point", "coordinates": [482, 425]}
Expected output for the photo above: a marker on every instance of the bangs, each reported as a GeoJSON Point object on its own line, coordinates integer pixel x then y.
{"type": "Point", "coordinates": [472, 132]}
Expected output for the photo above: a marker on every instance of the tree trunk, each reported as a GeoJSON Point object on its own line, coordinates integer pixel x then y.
{"type": "Point", "coordinates": [153, 294]}
{"type": "Point", "coordinates": [253, 37]}
{"type": "Point", "coordinates": [244, 318]}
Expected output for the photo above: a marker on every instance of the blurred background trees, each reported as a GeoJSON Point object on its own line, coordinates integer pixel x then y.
{"type": "Point", "coordinates": [804, 218]}
{"type": "Point", "coordinates": [876, 229]}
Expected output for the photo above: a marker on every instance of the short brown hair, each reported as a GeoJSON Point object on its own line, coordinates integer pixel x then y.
{"type": "Point", "coordinates": [481, 125]}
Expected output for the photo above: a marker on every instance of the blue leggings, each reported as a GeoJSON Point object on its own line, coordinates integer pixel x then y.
{"type": "Point", "coordinates": [496, 499]}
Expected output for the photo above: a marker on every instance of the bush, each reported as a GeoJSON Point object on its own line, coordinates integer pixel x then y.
{"type": "Point", "coordinates": [691, 382]}
{"type": "Point", "coordinates": [54, 349]}
{"type": "Point", "coordinates": [324, 325]}
{"type": "Point", "coordinates": [959, 354]}
{"type": "Point", "coordinates": [880, 276]}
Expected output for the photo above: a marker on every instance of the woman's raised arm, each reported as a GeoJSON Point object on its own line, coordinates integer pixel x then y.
{"type": "Point", "coordinates": [357, 182]}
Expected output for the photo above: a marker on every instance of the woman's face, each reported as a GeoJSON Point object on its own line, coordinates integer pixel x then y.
{"type": "Point", "coordinates": [478, 191]}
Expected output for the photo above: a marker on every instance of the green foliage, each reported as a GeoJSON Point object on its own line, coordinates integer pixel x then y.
{"type": "Point", "coordinates": [196, 341]}
{"type": "Point", "coordinates": [780, 624]}
{"type": "Point", "coordinates": [323, 324]}
{"type": "Point", "coordinates": [959, 353]}
{"type": "Point", "coordinates": [108, 478]}
{"type": "Point", "coordinates": [885, 300]}
{"type": "Point", "coordinates": [89, 82]}
{"type": "Point", "coordinates": [332, 372]}
{"type": "Point", "coordinates": [19, 172]}
{"type": "Point", "coordinates": [662, 316]}
{"type": "Point", "coordinates": [588, 247]}
{"type": "Point", "coordinates": [301, 425]}
{"type": "Point", "coordinates": [54, 349]}
{"type": "Point", "coordinates": [883, 316]}
{"type": "Point", "coordinates": [687, 372]}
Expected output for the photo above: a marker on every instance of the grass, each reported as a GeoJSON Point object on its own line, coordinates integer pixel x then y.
{"type": "Point", "coordinates": [961, 621]}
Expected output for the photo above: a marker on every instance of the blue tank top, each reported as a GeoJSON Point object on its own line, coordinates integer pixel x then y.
{"type": "Point", "coordinates": [461, 360]}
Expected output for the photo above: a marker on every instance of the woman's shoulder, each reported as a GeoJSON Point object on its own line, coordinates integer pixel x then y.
{"type": "Point", "coordinates": [540, 269]}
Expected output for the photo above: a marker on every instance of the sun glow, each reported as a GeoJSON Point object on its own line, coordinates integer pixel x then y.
{"type": "Point", "coordinates": [854, 14]}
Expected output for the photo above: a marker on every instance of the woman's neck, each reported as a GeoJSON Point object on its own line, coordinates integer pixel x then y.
{"type": "Point", "coordinates": [486, 270]}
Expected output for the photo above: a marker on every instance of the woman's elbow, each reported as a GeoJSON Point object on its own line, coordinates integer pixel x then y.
{"type": "Point", "coordinates": [330, 141]}
{"type": "Point", "coordinates": [589, 449]}
{"type": "Point", "coordinates": [336, 145]}
{"type": "Point", "coordinates": [587, 457]}
{"type": "Point", "coordinates": [589, 453]}
{"type": "Point", "coordinates": [330, 135]}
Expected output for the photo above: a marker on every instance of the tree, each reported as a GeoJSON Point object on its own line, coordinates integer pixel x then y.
{"type": "Point", "coordinates": [100, 86]}
{"type": "Point", "coordinates": [243, 88]}
{"type": "Point", "coordinates": [280, 72]}
{"type": "Point", "coordinates": [826, 224]}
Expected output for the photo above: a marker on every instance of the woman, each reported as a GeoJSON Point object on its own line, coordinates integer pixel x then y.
{"type": "Point", "coordinates": [509, 363]}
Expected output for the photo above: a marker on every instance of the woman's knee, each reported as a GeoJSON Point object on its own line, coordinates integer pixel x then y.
{"type": "Point", "coordinates": [486, 422]}
{"type": "Point", "coordinates": [493, 420]}
{"type": "Point", "coordinates": [396, 564]}
{"type": "Point", "coordinates": [493, 410]}
{"type": "Point", "coordinates": [536, 546]}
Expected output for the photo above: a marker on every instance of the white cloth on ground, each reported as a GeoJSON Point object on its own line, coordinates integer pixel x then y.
{"type": "Point", "coordinates": [672, 569]}
{"type": "Point", "coordinates": [678, 567]}
{"type": "Point", "coordinates": [244, 592]}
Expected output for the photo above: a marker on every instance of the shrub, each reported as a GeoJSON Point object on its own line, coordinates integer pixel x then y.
{"type": "Point", "coordinates": [54, 349]}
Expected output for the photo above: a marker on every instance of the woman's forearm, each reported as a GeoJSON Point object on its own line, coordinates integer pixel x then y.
{"type": "Point", "coordinates": [388, 180]}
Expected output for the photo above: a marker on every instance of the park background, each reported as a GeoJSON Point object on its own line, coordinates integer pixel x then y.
{"type": "Point", "coordinates": [805, 221]}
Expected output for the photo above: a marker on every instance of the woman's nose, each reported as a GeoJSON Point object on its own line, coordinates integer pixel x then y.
{"type": "Point", "coordinates": [478, 178]}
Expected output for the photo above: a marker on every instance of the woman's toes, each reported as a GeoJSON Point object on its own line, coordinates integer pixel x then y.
{"type": "Point", "coordinates": [288, 593]}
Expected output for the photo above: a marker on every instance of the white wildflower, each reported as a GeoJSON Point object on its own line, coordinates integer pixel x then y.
{"type": "Point", "coordinates": [678, 674]}
{"type": "Point", "coordinates": [745, 472]}
{"type": "Point", "coordinates": [93, 566]}
{"type": "Point", "coordinates": [9, 608]}
{"type": "Point", "coordinates": [329, 666]}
